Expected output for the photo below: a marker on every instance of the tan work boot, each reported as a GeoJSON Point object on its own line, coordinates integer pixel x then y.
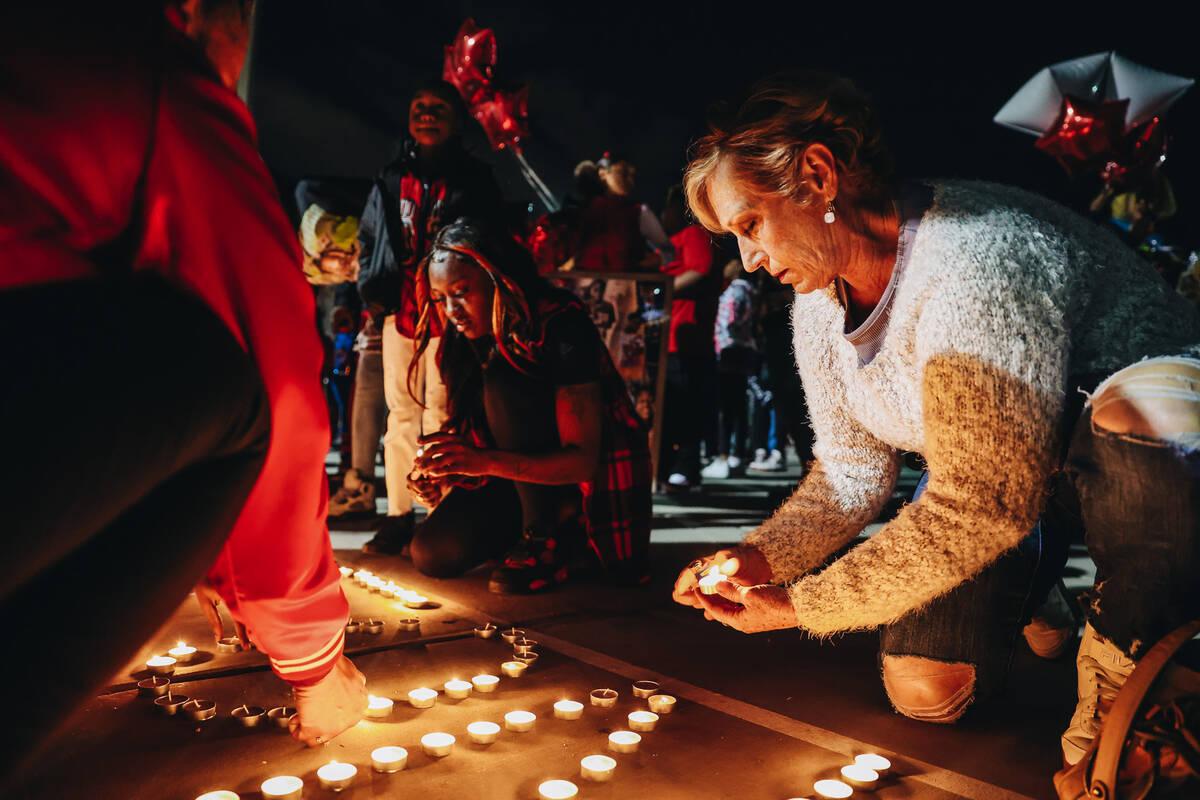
{"type": "Point", "coordinates": [1102, 669]}
{"type": "Point", "coordinates": [356, 496]}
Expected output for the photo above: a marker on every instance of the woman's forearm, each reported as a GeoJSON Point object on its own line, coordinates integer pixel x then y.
{"type": "Point", "coordinates": [570, 464]}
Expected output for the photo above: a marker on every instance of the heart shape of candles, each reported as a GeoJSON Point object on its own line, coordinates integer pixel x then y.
{"type": "Point", "coordinates": [282, 787]}
{"type": "Point", "coordinates": [389, 759]}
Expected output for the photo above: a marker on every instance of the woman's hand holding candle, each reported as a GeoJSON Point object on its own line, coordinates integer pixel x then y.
{"type": "Point", "coordinates": [209, 601]}
{"type": "Point", "coordinates": [331, 705]}
{"type": "Point", "coordinates": [744, 565]}
{"type": "Point", "coordinates": [750, 609]}
{"type": "Point", "coordinates": [444, 454]}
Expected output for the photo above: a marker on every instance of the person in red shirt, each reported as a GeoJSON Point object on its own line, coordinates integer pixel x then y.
{"type": "Point", "coordinates": [176, 429]}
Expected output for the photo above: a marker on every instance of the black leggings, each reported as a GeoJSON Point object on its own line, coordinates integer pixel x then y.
{"type": "Point", "coordinates": [471, 526]}
{"type": "Point", "coordinates": [140, 426]}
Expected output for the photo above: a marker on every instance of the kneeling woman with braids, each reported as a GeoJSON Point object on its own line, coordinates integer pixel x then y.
{"type": "Point", "coordinates": [543, 458]}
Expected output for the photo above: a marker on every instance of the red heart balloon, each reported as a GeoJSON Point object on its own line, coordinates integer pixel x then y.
{"type": "Point", "coordinates": [1144, 149]}
{"type": "Point", "coordinates": [1085, 134]}
{"type": "Point", "coordinates": [503, 114]}
{"type": "Point", "coordinates": [469, 62]}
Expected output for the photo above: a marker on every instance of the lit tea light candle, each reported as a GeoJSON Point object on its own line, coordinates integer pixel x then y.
{"type": "Point", "coordinates": [528, 659]}
{"type": "Point", "coordinates": [375, 584]}
{"type": "Point", "coordinates": [229, 644]}
{"type": "Point", "coordinates": [644, 689]}
{"type": "Point", "coordinates": [523, 646]}
{"type": "Point", "coordinates": [220, 794]}
{"type": "Point", "coordinates": [373, 626]}
{"type": "Point", "coordinates": [170, 703]}
{"type": "Point", "coordinates": [422, 698]}
{"type": "Point", "coordinates": [834, 790]}
{"type": "Point", "coordinates": [604, 698]}
{"type": "Point", "coordinates": [874, 761]}
{"type": "Point", "coordinates": [280, 715]}
{"type": "Point", "coordinates": [512, 634]}
{"type": "Point", "coordinates": [389, 759]}
{"type": "Point", "coordinates": [390, 589]}
{"type": "Point", "coordinates": [709, 583]}
{"type": "Point", "coordinates": [161, 665]}
{"type": "Point", "coordinates": [597, 768]}
{"type": "Point", "coordinates": [336, 776]}
{"type": "Point", "coordinates": [624, 741]}
{"type": "Point", "coordinates": [282, 787]}
{"type": "Point", "coordinates": [456, 689]}
{"type": "Point", "coordinates": [200, 710]}
{"type": "Point", "coordinates": [346, 571]}
{"type": "Point", "coordinates": [353, 626]}
{"type": "Point", "coordinates": [485, 683]}
{"type": "Point", "coordinates": [557, 790]}
{"type": "Point", "coordinates": [483, 732]}
{"type": "Point", "coordinates": [661, 703]}
{"type": "Point", "coordinates": [182, 652]}
{"type": "Point", "coordinates": [514, 669]}
{"type": "Point", "coordinates": [154, 687]}
{"type": "Point", "coordinates": [379, 707]}
{"type": "Point", "coordinates": [485, 631]}
{"type": "Point", "coordinates": [642, 720]}
{"type": "Point", "coordinates": [860, 776]}
{"type": "Point", "coordinates": [568, 709]}
{"type": "Point", "coordinates": [410, 624]}
{"type": "Point", "coordinates": [437, 745]}
{"type": "Point", "coordinates": [415, 600]}
{"type": "Point", "coordinates": [519, 721]}
{"type": "Point", "coordinates": [248, 716]}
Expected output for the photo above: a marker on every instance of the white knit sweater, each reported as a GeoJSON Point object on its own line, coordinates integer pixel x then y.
{"type": "Point", "coordinates": [1008, 302]}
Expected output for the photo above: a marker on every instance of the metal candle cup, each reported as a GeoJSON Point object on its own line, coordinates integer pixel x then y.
{"type": "Point", "coordinates": [485, 683]}
{"type": "Point", "coordinates": [389, 759]}
{"type": "Point", "coordinates": [642, 720]}
{"type": "Point", "coordinates": [437, 745]}
{"type": "Point", "coordinates": [523, 646]}
{"type": "Point", "coordinates": [336, 776]}
{"type": "Point", "coordinates": [483, 732]}
{"type": "Point", "coordinates": [485, 631]}
{"type": "Point", "coordinates": [597, 768]}
{"type": "Point", "coordinates": [422, 698]}
{"type": "Point", "coordinates": [528, 659]}
{"type": "Point", "coordinates": [161, 665]}
{"type": "Point", "coordinates": [282, 787]}
{"type": "Point", "coordinates": [154, 687]}
{"type": "Point", "coordinates": [353, 626]}
{"type": "Point", "coordinates": [373, 626]}
{"type": "Point", "coordinates": [410, 624]}
{"type": "Point", "coordinates": [280, 715]}
{"type": "Point", "coordinates": [170, 703]}
{"type": "Point", "coordinates": [248, 716]}
{"type": "Point", "coordinates": [346, 571]}
{"type": "Point", "coordinates": [415, 601]}
{"type": "Point", "coordinates": [519, 721]}
{"type": "Point", "coordinates": [644, 689]}
{"type": "Point", "coordinates": [557, 790]}
{"type": "Point", "coordinates": [568, 709]}
{"type": "Point", "coordinates": [219, 794]}
{"type": "Point", "coordinates": [860, 776]}
{"type": "Point", "coordinates": [512, 634]}
{"type": "Point", "coordinates": [182, 653]}
{"type": "Point", "coordinates": [661, 703]}
{"type": "Point", "coordinates": [230, 644]}
{"type": "Point", "coordinates": [709, 583]}
{"type": "Point", "coordinates": [200, 710]}
{"type": "Point", "coordinates": [624, 741]}
{"type": "Point", "coordinates": [378, 707]}
{"type": "Point", "coordinates": [874, 761]}
{"type": "Point", "coordinates": [604, 698]}
{"type": "Point", "coordinates": [456, 689]}
{"type": "Point", "coordinates": [513, 669]}
{"type": "Point", "coordinates": [834, 790]}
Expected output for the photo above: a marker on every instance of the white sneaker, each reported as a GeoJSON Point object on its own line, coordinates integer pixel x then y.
{"type": "Point", "coordinates": [734, 462]}
{"type": "Point", "coordinates": [679, 480]}
{"type": "Point", "coordinates": [717, 470]}
{"type": "Point", "coordinates": [1102, 670]}
{"type": "Point", "coordinates": [760, 458]}
{"type": "Point", "coordinates": [768, 463]}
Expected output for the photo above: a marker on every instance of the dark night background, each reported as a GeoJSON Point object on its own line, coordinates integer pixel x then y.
{"type": "Point", "coordinates": [330, 81]}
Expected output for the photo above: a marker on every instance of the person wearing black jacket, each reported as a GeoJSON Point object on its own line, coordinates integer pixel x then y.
{"type": "Point", "coordinates": [430, 184]}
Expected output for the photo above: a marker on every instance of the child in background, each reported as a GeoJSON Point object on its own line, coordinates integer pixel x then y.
{"type": "Point", "coordinates": [737, 360]}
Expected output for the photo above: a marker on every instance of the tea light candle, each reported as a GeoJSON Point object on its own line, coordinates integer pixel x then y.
{"type": "Point", "coordinates": [280, 715]}
{"type": "Point", "coordinates": [415, 600]}
{"type": "Point", "coordinates": [389, 759]}
{"type": "Point", "coordinates": [485, 683]}
{"type": "Point", "coordinates": [200, 710]}
{"type": "Point", "coordinates": [519, 721]}
{"type": "Point", "coordinates": [597, 768]}
{"type": "Point", "coordinates": [642, 720]}
{"type": "Point", "coordinates": [373, 626]}
{"type": "Point", "coordinates": [230, 644]}
{"type": "Point", "coordinates": [483, 732]}
{"type": "Point", "coordinates": [182, 653]}
{"type": "Point", "coordinates": [557, 790]}
{"type": "Point", "coordinates": [835, 790]}
{"type": "Point", "coordinates": [437, 745]}
{"type": "Point", "coordinates": [346, 571]}
{"type": "Point", "coordinates": [353, 626]}
{"type": "Point", "coordinates": [523, 646]}
{"type": "Point", "coordinates": [568, 709]}
{"type": "Point", "coordinates": [410, 624]}
{"type": "Point", "coordinates": [661, 703]}
{"type": "Point", "coordinates": [709, 583]}
{"type": "Point", "coordinates": [485, 631]}
{"type": "Point", "coordinates": [170, 703]}
{"type": "Point", "coordinates": [604, 698]}
{"type": "Point", "coordinates": [422, 698]}
{"type": "Point", "coordinates": [644, 689]}
{"type": "Point", "coordinates": [860, 776]}
{"type": "Point", "coordinates": [220, 794]}
{"type": "Point", "coordinates": [378, 707]}
{"type": "Point", "coordinates": [336, 776]}
{"type": "Point", "coordinates": [624, 741]}
{"type": "Point", "coordinates": [161, 665]}
{"type": "Point", "coordinates": [153, 687]}
{"type": "Point", "coordinates": [456, 689]}
{"type": "Point", "coordinates": [528, 659]}
{"type": "Point", "coordinates": [513, 669]}
{"type": "Point", "coordinates": [248, 716]}
{"type": "Point", "coordinates": [282, 787]}
{"type": "Point", "coordinates": [874, 761]}
{"type": "Point", "coordinates": [512, 634]}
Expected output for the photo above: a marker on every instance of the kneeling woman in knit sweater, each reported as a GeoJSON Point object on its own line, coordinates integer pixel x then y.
{"type": "Point", "coordinates": [1019, 349]}
{"type": "Point", "coordinates": [543, 455]}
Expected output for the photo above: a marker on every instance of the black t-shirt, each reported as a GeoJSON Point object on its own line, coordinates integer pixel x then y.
{"type": "Point", "coordinates": [569, 352]}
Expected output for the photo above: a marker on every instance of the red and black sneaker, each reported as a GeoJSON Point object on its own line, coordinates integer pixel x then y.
{"type": "Point", "coordinates": [534, 564]}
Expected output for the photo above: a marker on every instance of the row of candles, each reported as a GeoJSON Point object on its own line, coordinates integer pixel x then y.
{"type": "Point", "coordinates": [374, 583]}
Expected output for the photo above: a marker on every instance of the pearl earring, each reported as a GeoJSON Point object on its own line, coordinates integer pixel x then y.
{"type": "Point", "coordinates": [829, 215]}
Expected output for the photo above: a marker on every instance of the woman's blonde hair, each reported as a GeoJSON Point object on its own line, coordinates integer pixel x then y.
{"type": "Point", "coordinates": [762, 141]}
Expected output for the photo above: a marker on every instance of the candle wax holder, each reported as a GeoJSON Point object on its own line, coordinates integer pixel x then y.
{"type": "Point", "coordinates": [161, 665]}
{"type": "Point", "coordinates": [642, 720]}
{"type": "Point", "coordinates": [523, 646]}
{"type": "Point", "coordinates": [568, 709]}
{"type": "Point", "coordinates": [336, 776]}
{"type": "Point", "coordinates": [249, 716]}
{"type": "Point", "coordinates": [457, 690]}
{"type": "Point", "coordinates": [661, 703]}
{"type": "Point", "coordinates": [280, 715]}
{"type": "Point", "coordinates": [860, 776]}
{"type": "Point", "coordinates": [422, 698]}
{"type": "Point", "coordinates": [282, 787]}
{"type": "Point", "coordinates": [604, 698]}
{"type": "Point", "coordinates": [154, 687]}
{"type": "Point", "coordinates": [437, 745]}
{"type": "Point", "coordinates": [200, 710]}
{"type": "Point", "coordinates": [483, 732]}
{"type": "Point", "coordinates": [519, 721]}
{"type": "Point", "coordinates": [229, 644]}
{"type": "Point", "coordinates": [624, 741]}
{"type": "Point", "coordinates": [485, 683]}
{"type": "Point", "coordinates": [874, 761]}
{"type": "Point", "coordinates": [644, 689]}
{"type": "Point", "coordinates": [373, 626]}
{"type": "Point", "coordinates": [346, 571]}
{"type": "Point", "coordinates": [557, 790]}
{"type": "Point", "coordinates": [416, 601]}
{"type": "Point", "coordinates": [486, 631]}
{"type": "Point", "coordinates": [410, 624]}
{"type": "Point", "coordinates": [834, 790]}
{"type": "Point", "coordinates": [353, 626]}
{"type": "Point", "coordinates": [513, 669]}
{"type": "Point", "coordinates": [219, 794]}
{"type": "Point", "coordinates": [512, 634]}
{"type": "Point", "coordinates": [528, 659]}
{"type": "Point", "coordinates": [378, 707]}
{"type": "Point", "coordinates": [182, 653]}
{"type": "Point", "coordinates": [170, 703]}
{"type": "Point", "coordinates": [389, 759]}
{"type": "Point", "coordinates": [597, 768]}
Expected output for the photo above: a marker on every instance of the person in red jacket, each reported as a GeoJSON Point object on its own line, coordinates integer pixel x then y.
{"type": "Point", "coordinates": [176, 430]}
